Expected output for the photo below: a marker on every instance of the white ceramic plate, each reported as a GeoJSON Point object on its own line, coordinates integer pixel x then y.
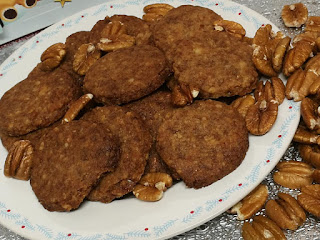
{"type": "Point", "coordinates": [181, 209]}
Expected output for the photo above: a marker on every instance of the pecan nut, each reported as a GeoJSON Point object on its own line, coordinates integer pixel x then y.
{"type": "Point", "coordinates": [76, 107]}
{"type": "Point", "coordinates": [316, 175]}
{"type": "Point", "coordinates": [313, 24]}
{"type": "Point", "coordinates": [309, 112]}
{"type": "Point", "coordinates": [310, 154]}
{"type": "Point", "coordinates": [293, 174]}
{"type": "Point", "coordinates": [294, 15]}
{"type": "Point", "coordinates": [242, 104]}
{"type": "Point", "coordinates": [294, 84]}
{"type": "Point", "coordinates": [233, 28]}
{"type": "Point", "coordinates": [262, 115]}
{"type": "Point", "coordinates": [19, 160]}
{"type": "Point", "coordinates": [285, 212]}
{"type": "Point", "coordinates": [154, 12]}
{"type": "Point", "coordinates": [114, 36]}
{"type": "Point", "coordinates": [85, 57]}
{"type": "Point", "coordinates": [151, 186]}
{"type": "Point", "coordinates": [309, 199]}
{"type": "Point", "coordinates": [262, 228]}
{"type": "Point", "coordinates": [252, 203]}
{"type": "Point", "coordinates": [52, 56]}
{"type": "Point", "coordinates": [262, 62]}
{"type": "Point", "coordinates": [305, 136]}
{"type": "Point", "coordinates": [279, 53]}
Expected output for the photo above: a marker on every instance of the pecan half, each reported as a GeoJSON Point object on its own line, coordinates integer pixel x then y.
{"type": "Point", "coordinates": [151, 186]}
{"type": "Point", "coordinates": [76, 107]}
{"type": "Point", "coordinates": [262, 115]}
{"type": "Point", "coordinates": [285, 212]}
{"type": "Point", "coordinates": [304, 135]}
{"type": "Point", "coordinates": [294, 15]}
{"type": "Point", "coordinates": [19, 160]}
{"type": "Point", "coordinates": [242, 104]}
{"type": "Point", "coordinates": [262, 62]}
{"type": "Point", "coordinates": [114, 36]}
{"type": "Point", "coordinates": [313, 24]}
{"type": "Point", "coordinates": [262, 228]}
{"type": "Point", "coordinates": [310, 113]}
{"type": "Point", "coordinates": [252, 203]}
{"type": "Point", "coordinates": [294, 85]}
{"type": "Point", "coordinates": [293, 174]}
{"type": "Point", "coordinates": [52, 56]}
{"type": "Point", "coordinates": [154, 12]}
{"type": "Point", "coordinates": [279, 53]}
{"type": "Point", "coordinates": [309, 199]}
{"type": "Point", "coordinates": [310, 154]}
{"type": "Point", "coordinates": [85, 57]}
{"type": "Point", "coordinates": [233, 28]}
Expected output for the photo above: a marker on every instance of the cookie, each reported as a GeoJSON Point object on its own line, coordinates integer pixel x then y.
{"type": "Point", "coordinates": [135, 142]}
{"type": "Point", "coordinates": [126, 74]}
{"type": "Point", "coordinates": [203, 142]}
{"type": "Point", "coordinates": [216, 63]}
{"type": "Point", "coordinates": [69, 161]}
{"type": "Point", "coordinates": [36, 102]}
{"type": "Point", "coordinates": [182, 23]}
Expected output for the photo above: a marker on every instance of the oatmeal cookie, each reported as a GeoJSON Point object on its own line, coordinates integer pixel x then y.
{"type": "Point", "coordinates": [182, 23]}
{"type": "Point", "coordinates": [203, 142]}
{"type": "Point", "coordinates": [36, 102]}
{"type": "Point", "coordinates": [135, 142]}
{"type": "Point", "coordinates": [215, 63]}
{"type": "Point", "coordinates": [126, 75]}
{"type": "Point", "coordinates": [69, 161]}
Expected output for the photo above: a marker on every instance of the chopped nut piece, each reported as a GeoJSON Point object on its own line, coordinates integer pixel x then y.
{"type": "Point", "coordinates": [313, 24]}
{"type": "Point", "coordinates": [231, 27]}
{"type": "Point", "coordinates": [154, 12]}
{"type": "Point", "coordinates": [242, 104]}
{"type": "Point", "coordinates": [310, 114]}
{"type": "Point", "coordinates": [19, 160]}
{"type": "Point", "coordinates": [262, 228]}
{"type": "Point", "coordinates": [279, 53]}
{"type": "Point", "coordinates": [303, 135]}
{"type": "Point", "coordinates": [309, 199]}
{"type": "Point", "coordinates": [182, 94]}
{"type": "Point", "coordinates": [151, 186]}
{"type": "Point", "coordinates": [310, 154]}
{"type": "Point", "coordinates": [293, 174]}
{"type": "Point", "coordinates": [285, 212]}
{"type": "Point", "coordinates": [85, 57]}
{"type": "Point", "coordinates": [114, 36]}
{"type": "Point", "coordinates": [252, 203]}
{"type": "Point", "coordinates": [294, 15]}
{"type": "Point", "coordinates": [76, 107]}
{"type": "Point", "coordinates": [52, 56]}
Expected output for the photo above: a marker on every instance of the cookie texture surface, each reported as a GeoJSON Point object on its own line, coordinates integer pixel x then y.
{"type": "Point", "coordinates": [203, 142]}
{"type": "Point", "coordinates": [182, 23]}
{"type": "Point", "coordinates": [37, 102]}
{"type": "Point", "coordinates": [69, 161]}
{"type": "Point", "coordinates": [135, 142]}
{"type": "Point", "coordinates": [126, 74]}
{"type": "Point", "coordinates": [216, 63]}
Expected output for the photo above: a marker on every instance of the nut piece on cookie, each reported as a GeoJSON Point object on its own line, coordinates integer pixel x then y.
{"type": "Point", "coordinates": [231, 27]}
{"type": "Point", "coordinates": [154, 12]}
{"type": "Point", "coordinates": [85, 57]}
{"type": "Point", "coordinates": [19, 160]}
{"type": "Point", "coordinates": [294, 15]}
{"type": "Point", "coordinates": [293, 174]}
{"type": "Point", "coordinates": [114, 36]}
{"type": "Point", "coordinates": [252, 203]}
{"type": "Point", "coordinates": [52, 56]}
{"type": "Point", "coordinates": [309, 199]}
{"type": "Point", "coordinates": [151, 186]}
{"type": "Point", "coordinates": [262, 228]}
{"type": "Point", "coordinates": [285, 212]}
{"type": "Point", "coordinates": [76, 107]}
